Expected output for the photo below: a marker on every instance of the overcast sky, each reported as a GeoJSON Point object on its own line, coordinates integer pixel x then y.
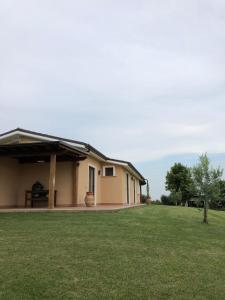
{"type": "Point", "coordinates": [139, 80]}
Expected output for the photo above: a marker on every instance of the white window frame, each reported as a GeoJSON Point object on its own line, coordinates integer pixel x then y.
{"type": "Point", "coordinates": [114, 171]}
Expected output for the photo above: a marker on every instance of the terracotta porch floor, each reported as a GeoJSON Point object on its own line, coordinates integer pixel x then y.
{"type": "Point", "coordinates": [98, 208]}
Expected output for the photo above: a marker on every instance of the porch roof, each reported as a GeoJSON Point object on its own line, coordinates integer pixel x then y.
{"type": "Point", "coordinates": [41, 151]}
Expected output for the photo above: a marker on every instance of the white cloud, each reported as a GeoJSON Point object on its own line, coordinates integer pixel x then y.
{"type": "Point", "coordinates": [137, 79]}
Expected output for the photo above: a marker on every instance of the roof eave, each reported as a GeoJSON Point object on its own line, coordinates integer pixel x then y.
{"type": "Point", "coordinates": [86, 146]}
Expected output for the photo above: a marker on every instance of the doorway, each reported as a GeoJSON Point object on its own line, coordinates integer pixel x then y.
{"type": "Point", "coordinates": [92, 180]}
{"type": "Point", "coordinates": [128, 188]}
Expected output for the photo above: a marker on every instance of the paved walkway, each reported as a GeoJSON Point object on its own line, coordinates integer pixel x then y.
{"type": "Point", "coordinates": [98, 208]}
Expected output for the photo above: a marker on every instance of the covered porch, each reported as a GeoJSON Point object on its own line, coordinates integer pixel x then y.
{"type": "Point", "coordinates": [54, 164]}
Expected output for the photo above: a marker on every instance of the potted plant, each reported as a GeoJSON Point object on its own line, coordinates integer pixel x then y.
{"type": "Point", "coordinates": [90, 199]}
{"type": "Point", "coordinates": [148, 200]}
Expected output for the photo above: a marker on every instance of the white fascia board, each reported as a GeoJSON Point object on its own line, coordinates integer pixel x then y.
{"type": "Point", "coordinates": [131, 171]}
{"type": "Point", "coordinates": [94, 155]}
{"type": "Point", "coordinates": [127, 167]}
{"type": "Point", "coordinates": [26, 134]}
{"type": "Point", "coordinates": [117, 163]}
{"type": "Point", "coordinates": [73, 144]}
{"type": "Point", "coordinates": [9, 135]}
{"type": "Point", "coordinates": [42, 138]}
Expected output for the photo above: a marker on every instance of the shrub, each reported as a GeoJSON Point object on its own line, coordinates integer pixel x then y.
{"type": "Point", "coordinates": [165, 200]}
{"type": "Point", "coordinates": [157, 202]}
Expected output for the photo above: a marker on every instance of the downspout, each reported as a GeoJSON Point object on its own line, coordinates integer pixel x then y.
{"type": "Point", "coordinates": [140, 194]}
{"type": "Point", "coordinates": [147, 189]}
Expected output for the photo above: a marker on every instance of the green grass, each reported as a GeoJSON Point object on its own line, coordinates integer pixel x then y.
{"type": "Point", "coordinates": [155, 252]}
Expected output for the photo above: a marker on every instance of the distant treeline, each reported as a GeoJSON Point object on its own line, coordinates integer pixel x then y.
{"type": "Point", "coordinates": [195, 186]}
{"type": "Point", "coordinates": [199, 186]}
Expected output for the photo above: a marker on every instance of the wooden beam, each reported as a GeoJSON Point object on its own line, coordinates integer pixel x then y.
{"type": "Point", "coordinates": [36, 154]}
{"type": "Point", "coordinates": [36, 159]}
{"type": "Point", "coordinates": [75, 183]}
{"type": "Point", "coordinates": [52, 181]}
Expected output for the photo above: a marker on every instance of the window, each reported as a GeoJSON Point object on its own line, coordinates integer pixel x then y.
{"type": "Point", "coordinates": [109, 171]}
{"type": "Point", "coordinates": [91, 179]}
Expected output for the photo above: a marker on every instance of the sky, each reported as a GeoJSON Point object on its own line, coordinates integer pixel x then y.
{"type": "Point", "coordinates": [140, 80]}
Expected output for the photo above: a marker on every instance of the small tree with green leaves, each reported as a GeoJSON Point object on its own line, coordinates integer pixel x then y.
{"type": "Point", "coordinates": [222, 194]}
{"type": "Point", "coordinates": [206, 183]}
{"type": "Point", "coordinates": [178, 181]}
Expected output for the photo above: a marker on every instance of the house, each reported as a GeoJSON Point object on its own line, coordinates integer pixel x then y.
{"type": "Point", "coordinates": [66, 169]}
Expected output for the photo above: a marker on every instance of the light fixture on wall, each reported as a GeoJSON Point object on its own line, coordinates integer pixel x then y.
{"type": "Point", "coordinates": [40, 161]}
{"type": "Point", "coordinates": [99, 172]}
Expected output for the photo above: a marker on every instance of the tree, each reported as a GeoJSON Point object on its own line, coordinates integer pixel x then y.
{"type": "Point", "coordinates": [219, 203]}
{"type": "Point", "coordinates": [178, 180]}
{"type": "Point", "coordinates": [171, 199]}
{"type": "Point", "coordinates": [222, 193]}
{"type": "Point", "coordinates": [165, 200]}
{"type": "Point", "coordinates": [175, 198]}
{"type": "Point", "coordinates": [206, 183]}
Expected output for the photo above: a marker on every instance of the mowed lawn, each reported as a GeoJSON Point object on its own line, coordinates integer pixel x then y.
{"type": "Point", "coordinates": [155, 252]}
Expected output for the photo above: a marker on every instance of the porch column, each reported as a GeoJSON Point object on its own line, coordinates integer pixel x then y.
{"type": "Point", "coordinates": [51, 188]}
{"type": "Point", "coordinates": [75, 183]}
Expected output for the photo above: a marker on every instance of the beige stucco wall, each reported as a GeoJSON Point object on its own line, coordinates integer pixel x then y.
{"type": "Point", "coordinates": [110, 190]}
{"type": "Point", "coordinates": [113, 187]}
{"type": "Point", "coordinates": [133, 180]}
{"type": "Point", "coordinates": [131, 190]}
{"type": "Point", "coordinates": [8, 182]}
{"type": "Point", "coordinates": [138, 195]}
{"type": "Point", "coordinates": [83, 180]}
{"type": "Point", "coordinates": [134, 190]}
{"type": "Point", "coordinates": [30, 173]}
{"type": "Point", "coordinates": [16, 178]}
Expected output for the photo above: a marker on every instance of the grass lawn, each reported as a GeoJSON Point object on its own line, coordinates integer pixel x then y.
{"type": "Point", "coordinates": [155, 252]}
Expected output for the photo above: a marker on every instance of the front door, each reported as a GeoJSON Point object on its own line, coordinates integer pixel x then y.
{"type": "Point", "coordinates": [92, 180]}
{"type": "Point", "coordinates": [128, 189]}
